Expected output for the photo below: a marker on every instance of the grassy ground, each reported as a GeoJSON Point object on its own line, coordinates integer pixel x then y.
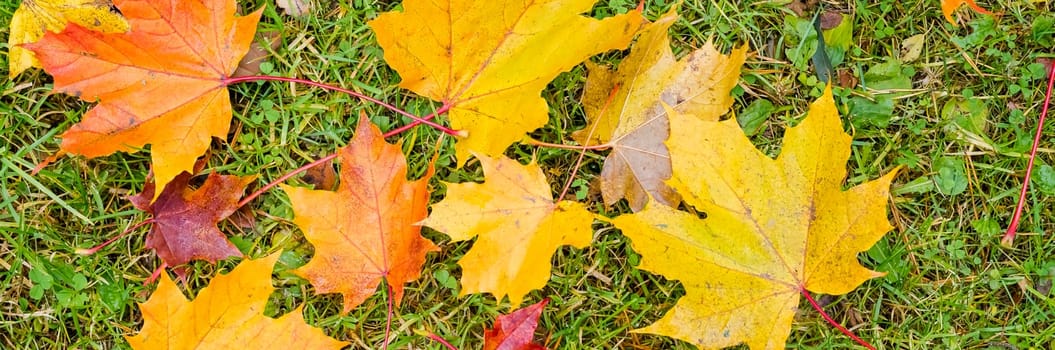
{"type": "Point", "coordinates": [960, 129]}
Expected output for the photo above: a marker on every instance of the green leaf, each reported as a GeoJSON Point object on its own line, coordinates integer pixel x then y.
{"type": "Point", "coordinates": [837, 40]}
{"type": "Point", "coordinates": [1044, 179]}
{"type": "Point", "coordinates": [951, 178]}
{"type": "Point", "coordinates": [754, 116]}
{"type": "Point", "coordinates": [864, 112]}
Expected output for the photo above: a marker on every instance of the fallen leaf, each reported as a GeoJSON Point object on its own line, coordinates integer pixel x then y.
{"type": "Point", "coordinates": [34, 17]}
{"type": "Point", "coordinates": [515, 331]}
{"type": "Point", "coordinates": [257, 54]}
{"type": "Point", "coordinates": [227, 314]}
{"type": "Point", "coordinates": [830, 19]}
{"type": "Point", "coordinates": [321, 176]}
{"type": "Point", "coordinates": [517, 225]}
{"type": "Point", "coordinates": [490, 60]}
{"type": "Point", "coordinates": [162, 83]}
{"type": "Point", "coordinates": [184, 227]}
{"type": "Point", "coordinates": [636, 124]}
{"type": "Point", "coordinates": [369, 229]}
{"type": "Point", "coordinates": [950, 6]}
{"type": "Point", "coordinates": [773, 228]}
{"type": "Point", "coordinates": [912, 47]}
{"type": "Point", "coordinates": [295, 8]}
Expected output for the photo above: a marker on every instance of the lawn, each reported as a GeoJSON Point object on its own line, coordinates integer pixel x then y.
{"type": "Point", "coordinates": [958, 116]}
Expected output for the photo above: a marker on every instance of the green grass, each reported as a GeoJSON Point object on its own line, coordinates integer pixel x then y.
{"type": "Point", "coordinates": [949, 283]}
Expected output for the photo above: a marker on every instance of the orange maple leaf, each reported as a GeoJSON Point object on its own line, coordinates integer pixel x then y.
{"type": "Point", "coordinates": [161, 83]}
{"type": "Point", "coordinates": [950, 6]}
{"type": "Point", "coordinates": [228, 314]}
{"type": "Point", "coordinates": [184, 223]}
{"type": "Point", "coordinates": [369, 228]}
{"type": "Point", "coordinates": [488, 61]}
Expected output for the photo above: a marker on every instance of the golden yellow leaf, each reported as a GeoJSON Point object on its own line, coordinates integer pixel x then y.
{"type": "Point", "coordinates": [773, 227]}
{"type": "Point", "coordinates": [34, 17]}
{"type": "Point", "coordinates": [518, 225]}
{"type": "Point", "coordinates": [636, 124]}
{"type": "Point", "coordinates": [489, 60]}
{"type": "Point", "coordinates": [228, 314]}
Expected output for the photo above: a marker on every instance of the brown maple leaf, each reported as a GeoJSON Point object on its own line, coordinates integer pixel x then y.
{"type": "Point", "coordinates": [161, 83]}
{"type": "Point", "coordinates": [369, 228]}
{"type": "Point", "coordinates": [516, 331]}
{"type": "Point", "coordinates": [184, 223]}
{"type": "Point", "coordinates": [636, 125]}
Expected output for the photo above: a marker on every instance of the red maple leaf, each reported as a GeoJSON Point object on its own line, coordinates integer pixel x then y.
{"type": "Point", "coordinates": [184, 223]}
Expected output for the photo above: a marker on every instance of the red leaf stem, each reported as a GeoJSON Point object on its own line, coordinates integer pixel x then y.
{"type": "Point", "coordinates": [389, 314]}
{"type": "Point", "coordinates": [582, 153]}
{"type": "Point", "coordinates": [441, 110]}
{"type": "Point", "coordinates": [831, 321]}
{"type": "Point", "coordinates": [94, 249]}
{"type": "Point", "coordinates": [440, 340]}
{"type": "Point", "coordinates": [417, 119]}
{"type": "Point", "coordinates": [1009, 236]}
{"type": "Point", "coordinates": [279, 180]}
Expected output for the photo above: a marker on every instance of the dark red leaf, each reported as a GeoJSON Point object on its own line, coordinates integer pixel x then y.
{"type": "Point", "coordinates": [515, 331]}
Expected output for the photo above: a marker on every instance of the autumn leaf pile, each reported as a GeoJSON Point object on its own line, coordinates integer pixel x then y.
{"type": "Point", "coordinates": [754, 233]}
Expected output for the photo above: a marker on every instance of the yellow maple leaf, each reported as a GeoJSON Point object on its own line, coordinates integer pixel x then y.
{"type": "Point", "coordinates": [948, 7]}
{"type": "Point", "coordinates": [636, 124]}
{"type": "Point", "coordinates": [488, 61]}
{"type": "Point", "coordinates": [34, 17]}
{"type": "Point", "coordinates": [773, 228]}
{"type": "Point", "coordinates": [518, 225]}
{"type": "Point", "coordinates": [228, 314]}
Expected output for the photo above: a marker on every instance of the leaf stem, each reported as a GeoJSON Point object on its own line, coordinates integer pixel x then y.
{"type": "Point", "coordinates": [94, 249]}
{"type": "Point", "coordinates": [417, 119]}
{"type": "Point", "coordinates": [831, 321]}
{"type": "Point", "coordinates": [440, 340]}
{"type": "Point", "coordinates": [157, 273]}
{"type": "Point", "coordinates": [389, 313]}
{"type": "Point", "coordinates": [589, 136]}
{"type": "Point", "coordinates": [285, 177]}
{"type": "Point", "coordinates": [1009, 236]}
{"type": "Point", "coordinates": [441, 110]}
{"type": "Point", "coordinates": [538, 143]}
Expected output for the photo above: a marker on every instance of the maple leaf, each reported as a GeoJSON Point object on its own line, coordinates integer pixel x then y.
{"type": "Point", "coordinates": [162, 83]}
{"type": "Point", "coordinates": [489, 60]}
{"type": "Point", "coordinates": [34, 17]}
{"type": "Point", "coordinates": [184, 223]}
{"type": "Point", "coordinates": [516, 330]}
{"type": "Point", "coordinates": [948, 7]}
{"type": "Point", "coordinates": [369, 228]}
{"type": "Point", "coordinates": [518, 225]}
{"type": "Point", "coordinates": [228, 314]}
{"type": "Point", "coordinates": [774, 228]}
{"type": "Point", "coordinates": [636, 125]}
